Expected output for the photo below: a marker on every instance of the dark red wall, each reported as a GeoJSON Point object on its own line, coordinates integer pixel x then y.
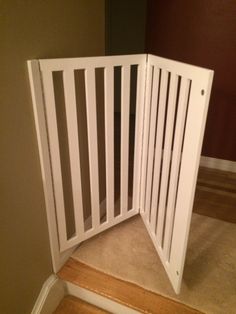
{"type": "Point", "coordinates": [202, 32]}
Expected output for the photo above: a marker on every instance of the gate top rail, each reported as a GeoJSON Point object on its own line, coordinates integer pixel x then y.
{"type": "Point", "coordinates": [90, 62]}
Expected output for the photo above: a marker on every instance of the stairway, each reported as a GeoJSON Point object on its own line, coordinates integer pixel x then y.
{"type": "Point", "coordinates": [122, 296]}
{"type": "Point", "coordinates": [72, 305]}
{"type": "Point", "coordinates": [125, 252]}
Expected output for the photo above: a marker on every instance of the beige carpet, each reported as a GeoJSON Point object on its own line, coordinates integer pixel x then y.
{"type": "Point", "coordinates": [209, 282]}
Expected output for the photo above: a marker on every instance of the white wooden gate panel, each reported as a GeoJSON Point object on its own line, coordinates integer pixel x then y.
{"type": "Point", "coordinates": [171, 106]}
{"type": "Point", "coordinates": [68, 66]}
{"type": "Point", "coordinates": [181, 93]}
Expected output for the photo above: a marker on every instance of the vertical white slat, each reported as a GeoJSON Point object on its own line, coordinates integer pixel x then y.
{"type": "Point", "coordinates": [125, 112]}
{"type": "Point", "coordinates": [74, 154]}
{"type": "Point", "coordinates": [109, 140]}
{"type": "Point", "coordinates": [138, 134]}
{"type": "Point", "coordinates": [148, 92]}
{"type": "Point", "coordinates": [167, 155]}
{"type": "Point", "coordinates": [155, 90]}
{"type": "Point", "coordinates": [176, 156]}
{"type": "Point", "coordinates": [195, 125]}
{"type": "Point", "coordinates": [158, 148]}
{"type": "Point", "coordinates": [55, 155]}
{"type": "Point", "coordinates": [91, 110]}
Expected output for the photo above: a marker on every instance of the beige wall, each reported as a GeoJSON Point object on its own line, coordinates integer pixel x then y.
{"type": "Point", "coordinates": [32, 29]}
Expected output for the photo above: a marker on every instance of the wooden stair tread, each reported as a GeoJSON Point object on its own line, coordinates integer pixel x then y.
{"type": "Point", "coordinates": [216, 194]}
{"type": "Point", "coordinates": [121, 291]}
{"type": "Point", "coordinates": [73, 305]}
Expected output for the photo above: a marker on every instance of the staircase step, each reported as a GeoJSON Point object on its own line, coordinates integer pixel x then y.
{"type": "Point", "coordinates": [73, 305]}
{"type": "Point", "coordinates": [126, 293]}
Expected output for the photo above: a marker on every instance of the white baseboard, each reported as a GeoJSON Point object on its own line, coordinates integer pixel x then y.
{"type": "Point", "coordinates": [51, 294]}
{"type": "Point", "coordinates": [55, 289]}
{"type": "Point", "coordinates": [220, 164]}
{"type": "Point", "coordinates": [98, 300]}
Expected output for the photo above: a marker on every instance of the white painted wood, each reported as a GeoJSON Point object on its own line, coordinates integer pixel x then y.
{"type": "Point", "coordinates": [92, 144]}
{"type": "Point", "coordinates": [158, 248]}
{"type": "Point", "coordinates": [58, 258]}
{"type": "Point", "coordinates": [158, 148]}
{"type": "Point", "coordinates": [72, 128]}
{"type": "Point", "coordinates": [146, 128]}
{"type": "Point", "coordinates": [102, 302]}
{"type": "Point", "coordinates": [183, 69]}
{"type": "Point", "coordinates": [177, 225]}
{"type": "Point", "coordinates": [166, 155]}
{"type": "Point", "coordinates": [198, 105]}
{"type": "Point", "coordinates": [109, 140]}
{"type": "Point", "coordinates": [153, 120]}
{"type": "Point", "coordinates": [141, 78]}
{"type": "Point", "coordinates": [51, 294]}
{"type": "Point", "coordinates": [106, 225]}
{"type": "Point", "coordinates": [74, 154]}
{"type": "Point", "coordinates": [216, 163]}
{"type": "Point", "coordinates": [90, 62]}
{"type": "Point", "coordinates": [176, 155]}
{"type": "Point", "coordinates": [174, 223]}
{"type": "Point", "coordinates": [125, 116]}
{"type": "Point", "coordinates": [51, 118]}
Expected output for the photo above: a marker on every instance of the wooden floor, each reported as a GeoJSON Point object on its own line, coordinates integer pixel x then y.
{"type": "Point", "coordinates": [120, 291]}
{"type": "Point", "coordinates": [72, 305]}
{"type": "Point", "coordinates": [216, 194]}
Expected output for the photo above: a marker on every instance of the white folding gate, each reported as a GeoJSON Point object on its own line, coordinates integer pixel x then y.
{"type": "Point", "coordinates": [169, 101]}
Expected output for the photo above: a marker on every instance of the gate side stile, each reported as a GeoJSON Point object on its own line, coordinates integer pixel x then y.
{"type": "Point", "coordinates": [199, 99]}
{"type": "Point", "coordinates": [58, 258]}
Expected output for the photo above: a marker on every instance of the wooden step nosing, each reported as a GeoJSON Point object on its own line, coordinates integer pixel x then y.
{"type": "Point", "coordinates": [139, 298]}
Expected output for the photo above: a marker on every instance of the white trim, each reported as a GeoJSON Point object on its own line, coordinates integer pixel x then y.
{"type": "Point", "coordinates": [51, 294]}
{"type": "Point", "coordinates": [102, 302]}
{"type": "Point", "coordinates": [220, 164]}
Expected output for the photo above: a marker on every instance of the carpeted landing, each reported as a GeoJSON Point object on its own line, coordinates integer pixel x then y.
{"type": "Point", "coordinates": [209, 281]}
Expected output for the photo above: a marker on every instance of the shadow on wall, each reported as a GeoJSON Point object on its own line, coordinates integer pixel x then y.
{"type": "Point", "coordinates": [202, 33]}
{"type": "Point", "coordinates": [32, 30]}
